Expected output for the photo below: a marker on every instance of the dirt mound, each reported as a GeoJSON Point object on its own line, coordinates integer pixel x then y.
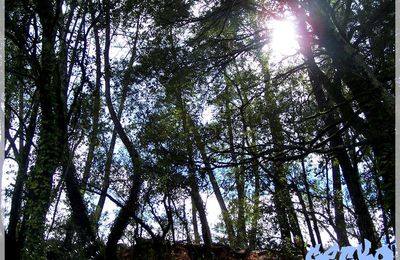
{"type": "Point", "coordinates": [148, 250]}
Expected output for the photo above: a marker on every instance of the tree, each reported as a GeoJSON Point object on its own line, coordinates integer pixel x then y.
{"type": "Point", "coordinates": [165, 103]}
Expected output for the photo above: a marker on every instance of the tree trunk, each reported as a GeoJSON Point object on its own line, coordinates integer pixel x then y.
{"type": "Point", "coordinates": [23, 162]}
{"type": "Point", "coordinates": [79, 212]}
{"type": "Point", "coordinates": [205, 229]}
{"type": "Point", "coordinates": [194, 221]}
{"type": "Point", "coordinates": [340, 223]}
{"type": "Point", "coordinates": [239, 183]}
{"type": "Point", "coordinates": [93, 140]}
{"type": "Point", "coordinates": [350, 172]}
{"type": "Point", "coordinates": [286, 215]}
{"type": "Point", "coordinates": [382, 208]}
{"type": "Point", "coordinates": [132, 203]}
{"type": "Point", "coordinates": [375, 101]}
{"type": "Point", "coordinates": [106, 182]}
{"type": "Point", "coordinates": [195, 193]}
{"type": "Point", "coordinates": [306, 217]}
{"type": "Point", "coordinates": [224, 210]}
{"type": "Point", "coordinates": [311, 203]}
{"type": "Point", "coordinates": [107, 167]}
{"type": "Point", "coordinates": [256, 207]}
{"type": "Point", "coordinates": [40, 180]}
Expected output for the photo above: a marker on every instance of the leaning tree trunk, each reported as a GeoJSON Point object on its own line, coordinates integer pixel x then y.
{"type": "Point", "coordinates": [306, 216]}
{"type": "Point", "coordinates": [350, 172]}
{"type": "Point", "coordinates": [214, 183]}
{"type": "Point", "coordinates": [195, 193]}
{"type": "Point", "coordinates": [374, 100]}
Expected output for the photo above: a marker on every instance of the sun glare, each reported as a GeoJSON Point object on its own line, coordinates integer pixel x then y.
{"type": "Point", "coordinates": [283, 38]}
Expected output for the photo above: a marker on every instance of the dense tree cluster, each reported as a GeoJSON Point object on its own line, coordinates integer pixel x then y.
{"type": "Point", "coordinates": [154, 108]}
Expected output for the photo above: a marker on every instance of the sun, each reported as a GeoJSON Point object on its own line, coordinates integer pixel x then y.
{"type": "Point", "coordinates": [283, 37]}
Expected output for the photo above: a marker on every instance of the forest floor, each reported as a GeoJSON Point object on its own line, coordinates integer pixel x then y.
{"type": "Point", "coordinates": [179, 251]}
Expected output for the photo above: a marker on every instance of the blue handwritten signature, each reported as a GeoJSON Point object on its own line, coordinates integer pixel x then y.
{"type": "Point", "coordinates": [347, 252]}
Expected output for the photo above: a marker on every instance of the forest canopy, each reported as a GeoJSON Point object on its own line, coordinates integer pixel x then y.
{"type": "Point", "coordinates": [259, 125]}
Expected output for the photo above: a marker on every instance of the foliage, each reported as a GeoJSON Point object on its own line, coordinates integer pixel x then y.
{"type": "Point", "coordinates": [126, 120]}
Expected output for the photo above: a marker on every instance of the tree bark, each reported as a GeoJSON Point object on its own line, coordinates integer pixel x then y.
{"type": "Point", "coordinates": [340, 222]}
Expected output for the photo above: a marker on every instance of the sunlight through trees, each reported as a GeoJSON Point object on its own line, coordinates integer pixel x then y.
{"type": "Point", "coordinates": [199, 129]}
